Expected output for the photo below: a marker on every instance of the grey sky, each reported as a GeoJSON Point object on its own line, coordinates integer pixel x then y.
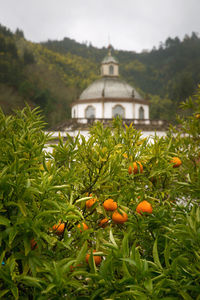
{"type": "Point", "coordinates": [131, 24]}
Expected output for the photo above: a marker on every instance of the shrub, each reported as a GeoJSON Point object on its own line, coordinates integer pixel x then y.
{"type": "Point", "coordinates": [150, 256]}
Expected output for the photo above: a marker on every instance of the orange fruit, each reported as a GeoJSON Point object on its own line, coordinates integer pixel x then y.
{"type": "Point", "coordinates": [197, 115]}
{"type": "Point", "coordinates": [97, 259]}
{"type": "Point", "coordinates": [144, 206]}
{"type": "Point", "coordinates": [59, 228]}
{"type": "Point", "coordinates": [119, 218]}
{"type": "Point", "coordinates": [72, 268]}
{"type": "Point", "coordinates": [110, 205]}
{"type": "Point", "coordinates": [176, 162]}
{"type": "Point", "coordinates": [88, 195]}
{"type": "Point", "coordinates": [134, 168]}
{"type": "Point", "coordinates": [89, 203]}
{"type": "Point", "coordinates": [33, 244]}
{"type": "Point", "coordinates": [104, 222]}
{"type": "Point", "coordinates": [85, 227]}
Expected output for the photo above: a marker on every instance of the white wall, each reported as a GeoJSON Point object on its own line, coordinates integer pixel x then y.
{"type": "Point", "coordinates": [80, 110]}
{"type": "Point", "coordinates": [105, 70]}
{"type": "Point", "coordinates": [129, 109]}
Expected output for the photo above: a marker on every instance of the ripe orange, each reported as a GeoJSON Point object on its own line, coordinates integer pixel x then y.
{"type": "Point", "coordinates": [89, 203]}
{"type": "Point", "coordinates": [119, 218]}
{"type": "Point", "coordinates": [97, 259]}
{"type": "Point", "coordinates": [144, 206]}
{"type": "Point", "coordinates": [33, 244]}
{"type": "Point", "coordinates": [197, 115]}
{"type": "Point", "coordinates": [103, 223]}
{"type": "Point", "coordinates": [110, 205]}
{"type": "Point", "coordinates": [176, 162]}
{"type": "Point", "coordinates": [72, 268]}
{"type": "Point", "coordinates": [82, 226]}
{"type": "Point", "coordinates": [59, 228]}
{"type": "Point", "coordinates": [135, 169]}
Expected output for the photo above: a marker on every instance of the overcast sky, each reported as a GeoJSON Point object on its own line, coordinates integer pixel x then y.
{"type": "Point", "coordinates": [128, 24]}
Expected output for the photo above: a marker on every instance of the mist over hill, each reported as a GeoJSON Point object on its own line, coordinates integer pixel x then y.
{"type": "Point", "coordinates": [52, 74]}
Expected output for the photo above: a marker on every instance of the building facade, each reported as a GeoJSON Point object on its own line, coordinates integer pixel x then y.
{"type": "Point", "coordinates": [109, 97]}
{"type": "Point", "coordinates": [106, 98]}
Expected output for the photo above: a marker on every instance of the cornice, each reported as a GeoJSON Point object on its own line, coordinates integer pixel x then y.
{"type": "Point", "coordinates": [113, 100]}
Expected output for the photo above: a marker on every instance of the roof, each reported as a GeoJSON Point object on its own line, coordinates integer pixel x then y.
{"type": "Point", "coordinates": [109, 87]}
{"type": "Point", "coordinates": [109, 59]}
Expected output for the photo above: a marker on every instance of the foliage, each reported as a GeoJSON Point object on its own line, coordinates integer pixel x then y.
{"type": "Point", "coordinates": [151, 256]}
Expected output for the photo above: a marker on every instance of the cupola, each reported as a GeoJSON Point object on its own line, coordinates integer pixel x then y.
{"type": "Point", "coordinates": [109, 65]}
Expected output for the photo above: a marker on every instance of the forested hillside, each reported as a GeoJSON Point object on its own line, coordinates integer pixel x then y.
{"type": "Point", "coordinates": [52, 74]}
{"type": "Point", "coordinates": [31, 73]}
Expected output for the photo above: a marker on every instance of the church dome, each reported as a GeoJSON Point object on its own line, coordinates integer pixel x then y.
{"type": "Point", "coordinates": [110, 96]}
{"type": "Point", "coordinates": [109, 87]}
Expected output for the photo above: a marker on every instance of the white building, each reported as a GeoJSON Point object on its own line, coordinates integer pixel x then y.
{"type": "Point", "coordinates": [106, 98]}
{"type": "Point", "coordinates": [110, 96]}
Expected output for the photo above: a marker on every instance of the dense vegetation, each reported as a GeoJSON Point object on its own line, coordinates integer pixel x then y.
{"type": "Point", "coordinates": [52, 206]}
{"type": "Point", "coordinates": [52, 74]}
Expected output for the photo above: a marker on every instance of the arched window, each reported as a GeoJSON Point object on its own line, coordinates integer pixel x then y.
{"type": "Point", "coordinates": [111, 70]}
{"type": "Point", "coordinates": [90, 112]}
{"type": "Point", "coordinates": [74, 113]}
{"type": "Point", "coordinates": [118, 110]}
{"type": "Point", "coordinates": [141, 113]}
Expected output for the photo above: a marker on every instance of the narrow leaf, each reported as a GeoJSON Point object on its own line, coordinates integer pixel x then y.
{"type": "Point", "coordinates": [155, 255]}
{"type": "Point", "coordinates": [4, 221]}
{"type": "Point", "coordinates": [112, 238]}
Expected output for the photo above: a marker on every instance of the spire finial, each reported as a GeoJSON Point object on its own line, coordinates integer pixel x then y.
{"type": "Point", "coordinates": [109, 45]}
{"type": "Point", "coordinates": [109, 49]}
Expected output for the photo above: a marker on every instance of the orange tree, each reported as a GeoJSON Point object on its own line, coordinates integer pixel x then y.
{"type": "Point", "coordinates": [52, 241]}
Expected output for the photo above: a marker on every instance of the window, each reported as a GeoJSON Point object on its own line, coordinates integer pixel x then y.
{"type": "Point", "coordinates": [118, 110]}
{"type": "Point", "coordinates": [141, 113]}
{"type": "Point", "coordinates": [90, 112]}
{"type": "Point", "coordinates": [111, 70]}
{"type": "Point", "coordinates": [74, 113]}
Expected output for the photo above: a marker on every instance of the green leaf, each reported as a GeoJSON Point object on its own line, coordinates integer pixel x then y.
{"type": "Point", "coordinates": [32, 281]}
{"type": "Point", "coordinates": [148, 285]}
{"type": "Point", "coordinates": [59, 187]}
{"type": "Point", "coordinates": [125, 245]}
{"type": "Point", "coordinates": [111, 246]}
{"type": "Point", "coordinates": [49, 239]}
{"type": "Point", "coordinates": [112, 238]}
{"type": "Point", "coordinates": [3, 293]}
{"type": "Point", "coordinates": [12, 235]}
{"type": "Point", "coordinates": [47, 213]}
{"type": "Point", "coordinates": [22, 208]}
{"type": "Point", "coordinates": [15, 292]}
{"type": "Point", "coordinates": [83, 199]}
{"type": "Point", "coordinates": [91, 261]}
{"type": "Point", "coordinates": [49, 288]}
{"type": "Point", "coordinates": [155, 255]}
{"type": "Point", "coordinates": [96, 293]}
{"type": "Point", "coordinates": [82, 253]}
{"type": "Point", "coordinates": [130, 261]}
{"type": "Point", "coordinates": [4, 221]}
{"type": "Point", "coordinates": [185, 295]}
{"type": "Point", "coordinates": [52, 203]}
{"type": "Point", "coordinates": [167, 254]}
{"type": "Point", "coordinates": [27, 246]}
